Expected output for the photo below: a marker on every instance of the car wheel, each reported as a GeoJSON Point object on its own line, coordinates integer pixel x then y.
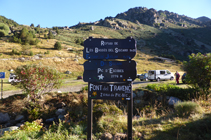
{"type": "Point", "coordinates": [151, 80]}
{"type": "Point", "coordinates": [171, 78]}
{"type": "Point", "coordinates": [158, 79]}
{"type": "Point", "coordinates": [141, 79]}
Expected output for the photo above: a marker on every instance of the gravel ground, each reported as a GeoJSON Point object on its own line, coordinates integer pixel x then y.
{"type": "Point", "coordinates": [75, 88]}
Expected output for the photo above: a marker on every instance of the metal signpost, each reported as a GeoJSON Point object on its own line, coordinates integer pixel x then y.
{"type": "Point", "coordinates": [2, 76]}
{"type": "Point", "coordinates": [99, 70]}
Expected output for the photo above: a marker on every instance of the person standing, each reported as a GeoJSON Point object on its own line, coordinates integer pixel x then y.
{"type": "Point", "coordinates": [177, 77]}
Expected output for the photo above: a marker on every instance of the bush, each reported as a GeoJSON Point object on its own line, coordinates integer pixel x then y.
{"type": "Point", "coordinates": [50, 35]}
{"type": "Point", "coordinates": [178, 62]}
{"type": "Point", "coordinates": [79, 41]}
{"type": "Point", "coordinates": [37, 79]}
{"type": "Point", "coordinates": [4, 29]}
{"type": "Point", "coordinates": [198, 71]}
{"type": "Point", "coordinates": [2, 33]}
{"type": "Point", "coordinates": [185, 109]}
{"type": "Point", "coordinates": [173, 90]}
{"type": "Point", "coordinates": [57, 46]}
{"type": "Point", "coordinates": [31, 53]}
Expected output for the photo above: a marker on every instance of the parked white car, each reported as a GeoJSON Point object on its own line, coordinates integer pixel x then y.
{"type": "Point", "coordinates": [160, 75]}
{"type": "Point", "coordinates": [13, 79]}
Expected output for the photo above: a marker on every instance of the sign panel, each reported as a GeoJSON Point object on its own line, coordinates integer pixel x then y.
{"type": "Point", "coordinates": [109, 71]}
{"type": "Point", "coordinates": [112, 91]}
{"type": "Point", "coordinates": [2, 75]}
{"type": "Point", "coordinates": [98, 48]}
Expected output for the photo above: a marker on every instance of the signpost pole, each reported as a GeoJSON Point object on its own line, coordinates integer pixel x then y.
{"type": "Point", "coordinates": [1, 88]}
{"type": "Point", "coordinates": [90, 116]}
{"type": "Point", "coordinates": [130, 116]}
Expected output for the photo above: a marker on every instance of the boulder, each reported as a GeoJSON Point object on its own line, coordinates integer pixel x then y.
{"type": "Point", "coordinates": [173, 100]}
{"type": "Point", "coordinates": [120, 136]}
{"type": "Point", "coordinates": [106, 136]}
{"type": "Point", "coordinates": [10, 123]}
{"type": "Point", "coordinates": [60, 105]}
{"type": "Point", "coordinates": [60, 112]}
{"type": "Point", "coordinates": [134, 95]}
{"type": "Point", "coordinates": [4, 117]}
{"type": "Point", "coordinates": [68, 72]}
{"type": "Point", "coordinates": [61, 117]}
{"type": "Point", "coordinates": [8, 129]}
{"type": "Point", "coordinates": [50, 120]}
{"type": "Point", "coordinates": [140, 93]}
{"type": "Point", "coordinates": [19, 118]}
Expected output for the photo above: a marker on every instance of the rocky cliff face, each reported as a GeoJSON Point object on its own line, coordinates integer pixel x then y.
{"type": "Point", "coordinates": [151, 16]}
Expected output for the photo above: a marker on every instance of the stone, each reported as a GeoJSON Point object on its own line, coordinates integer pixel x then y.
{"type": "Point", "coordinates": [106, 136]}
{"type": "Point", "coordinates": [60, 105]}
{"type": "Point", "coordinates": [140, 93]}
{"type": "Point", "coordinates": [8, 129]}
{"type": "Point", "coordinates": [4, 117]}
{"type": "Point", "coordinates": [50, 120]}
{"type": "Point", "coordinates": [134, 95]}
{"type": "Point", "coordinates": [173, 100]}
{"type": "Point", "coordinates": [61, 117]}
{"type": "Point", "coordinates": [68, 72]}
{"type": "Point", "coordinates": [59, 91]}
{"type": "Point", "coordinates": [60, 112]}
{"type": "Point", "coordinates": [19, 124]}
{"type": "Point", "coordinates": [19, 118]}
{"type": "Point", "coordinates": [120, 136]}
{"type": "Point", "coordinates": [10, 123]}
{"type": "Point", "coordinates": [137, 101]}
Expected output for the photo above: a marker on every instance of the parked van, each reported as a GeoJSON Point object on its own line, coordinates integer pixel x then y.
{"type": "Point", "coordinates": [160, 75]}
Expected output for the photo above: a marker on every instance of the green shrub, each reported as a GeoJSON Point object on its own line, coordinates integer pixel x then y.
{"type": "Point", "coordinates": [79, 41]}
{"type": "Point", "coordinates": [2, 33]}
{"type": "Point", "coordinates": [45, 36]}
{"type": "Point", "coordinates": [50, 35]}
{"type": "Point", "coordinates": [4, 28]}
{"type": "Point", "coordinates": [100, 109]}
{"type": "Point", "coordinates": [198, 70]}
{"type": "Point", "coordinates": [31, 53]}
{"type": "Point", "coordinates": [173, 90]}
{"type": "Point", "coordinates": [37, 79]}
{"type": "Point", "coordinates": [48, 52]}
{"type": "Point", "coordinates": [178, 62]}
{"type": "Point", "coordinates": [185, 109]}
{"type": "Point", "coordinates": [57, 46]}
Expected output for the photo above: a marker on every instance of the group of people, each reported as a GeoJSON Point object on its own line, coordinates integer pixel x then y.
{"type": "Point", "coordinates": [177, 75]}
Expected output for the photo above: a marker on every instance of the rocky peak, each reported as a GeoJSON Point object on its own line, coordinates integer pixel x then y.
{"type": "Point", "coordinates": [152, 16]}
{"type": "Point", "coordinates": [203, 19]}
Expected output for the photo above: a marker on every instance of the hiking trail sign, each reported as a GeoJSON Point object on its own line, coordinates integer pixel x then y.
{"type": "Point", "coordinates": [109, 71]}
{"type": "Point", "coordinates": [110, 91]}
{"type": "Point", "coordinates": [99, 70]}
{"type": "Point", "coordinates": [98, 48]}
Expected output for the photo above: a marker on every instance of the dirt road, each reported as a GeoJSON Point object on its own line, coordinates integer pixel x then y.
{"type": "Point", "coordinates": [74, 88]}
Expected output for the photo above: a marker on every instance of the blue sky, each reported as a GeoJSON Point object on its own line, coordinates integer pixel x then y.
{"type": "Point", "coordinates": [49, 13]}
